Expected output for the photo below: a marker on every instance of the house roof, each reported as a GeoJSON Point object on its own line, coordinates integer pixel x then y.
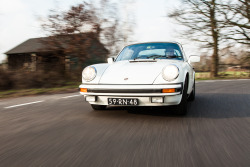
{"type": "Point", "coordinates": [35, 45]}
{"type": "Point", "coordinates": [29, 46]}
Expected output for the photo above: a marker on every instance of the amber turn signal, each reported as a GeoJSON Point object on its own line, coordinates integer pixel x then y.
{"type": "Point", "coordinates": [172, 90]}
{"type": "Point", "coordinates": [83, 90]}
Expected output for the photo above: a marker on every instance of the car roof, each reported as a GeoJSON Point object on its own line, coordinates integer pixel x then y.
{"type": "Point", "coordinates": [155, 42]}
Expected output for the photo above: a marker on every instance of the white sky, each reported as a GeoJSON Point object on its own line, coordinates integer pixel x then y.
{"type": "Point", "coordinates": [19, 21]}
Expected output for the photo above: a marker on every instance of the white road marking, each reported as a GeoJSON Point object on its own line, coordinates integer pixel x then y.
{"type": "Point", "coordinates": [70, 96]}
{"type": "Point", "coordinates": [227, 80]}
{"type": "Point", "coordinates": [243, 79]}
{"type": "Point", "coordinates": [209, 81]}
{"type": "Point", "coordinates": [24, 104]}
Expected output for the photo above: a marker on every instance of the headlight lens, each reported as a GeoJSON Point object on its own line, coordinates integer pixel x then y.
{"type": "Point", "coordinates": [89, 73]}
{"type": "Point", "coordinates": [170, 73]}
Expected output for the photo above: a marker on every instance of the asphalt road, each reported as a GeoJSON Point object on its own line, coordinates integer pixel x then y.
{"type": "Point", "coordinates": [63, 130]}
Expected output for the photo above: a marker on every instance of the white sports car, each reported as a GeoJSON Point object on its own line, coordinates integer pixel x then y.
{"type": "Point", "coordinates": [143, 74]}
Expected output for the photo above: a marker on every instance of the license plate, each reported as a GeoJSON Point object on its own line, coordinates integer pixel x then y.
{"type": "Point", "coordinates": [123, 101]}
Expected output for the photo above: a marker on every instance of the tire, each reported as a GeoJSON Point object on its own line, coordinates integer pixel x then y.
{"type": "Point", "coordinates": [192, 95]}
{"type": "Point", "coordinates": [98, 107]}
{"type": "Point", "coordinates": [181, 109]}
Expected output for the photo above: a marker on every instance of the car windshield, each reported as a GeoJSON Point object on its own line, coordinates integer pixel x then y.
{"type": "Point", "coordinates": [151, 51]}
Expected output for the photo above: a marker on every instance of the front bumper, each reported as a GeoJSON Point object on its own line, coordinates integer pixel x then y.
{"type": "Point", "coordinates": [143, 93]}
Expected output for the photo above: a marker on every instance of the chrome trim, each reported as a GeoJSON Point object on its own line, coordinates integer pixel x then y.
{"type": "Point", "coordinates": [132, 87]}
{"type": "Point", "coordinates": [155, 86]}
{"type": "Point", "coordinates": [132, 94]}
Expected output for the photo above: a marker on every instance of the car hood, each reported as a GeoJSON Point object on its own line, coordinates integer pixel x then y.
{"type": "Point", "coordinates": [133, 72]}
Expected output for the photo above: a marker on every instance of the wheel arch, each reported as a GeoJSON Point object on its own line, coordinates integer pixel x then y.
{"type": "Point", "coordinates": [189, 86]}
{"type": "Point", "coordinates": [186, 78]}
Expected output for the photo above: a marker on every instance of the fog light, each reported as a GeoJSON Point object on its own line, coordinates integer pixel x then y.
{"type": "Point", "coordinates": [157, 99]}
{"type": "Point", "coordinates": [172, 90]}
{"type": "Point", "coordinates": [90, 98]}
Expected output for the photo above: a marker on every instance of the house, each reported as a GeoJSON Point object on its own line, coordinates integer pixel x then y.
{"type": "Point", "coordinates": [66, 52]}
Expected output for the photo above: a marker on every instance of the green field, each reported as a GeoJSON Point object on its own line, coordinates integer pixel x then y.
{"type": "Point", "coordinates": [223, 75]}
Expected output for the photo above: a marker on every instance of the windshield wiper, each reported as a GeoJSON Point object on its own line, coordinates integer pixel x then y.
{"type": "Point", "coordinates": [156, 56]}
{"type": "Point", "coordinates": [146, 57]}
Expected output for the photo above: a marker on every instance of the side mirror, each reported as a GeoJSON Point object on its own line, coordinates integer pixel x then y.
{"type": "Point", "coordinates": [194, 59]}
{"type": "Point", "coordinates": [111, 60]}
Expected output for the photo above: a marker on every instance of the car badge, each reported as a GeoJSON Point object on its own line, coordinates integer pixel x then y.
{"type": "Point", "coordinates": [125, 79]}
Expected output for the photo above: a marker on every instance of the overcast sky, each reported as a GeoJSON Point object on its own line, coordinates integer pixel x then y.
{"type": "Point", "coordinates": [19, 20]}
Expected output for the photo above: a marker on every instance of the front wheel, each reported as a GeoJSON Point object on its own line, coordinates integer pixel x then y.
{"type": "Point", "coordinates": [98, 107]}
{"type": "Point", "coordinates": [182, 107]}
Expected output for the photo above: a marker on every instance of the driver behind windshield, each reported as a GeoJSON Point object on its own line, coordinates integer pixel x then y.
{"type": "Point", "coordinates": [170, 53]}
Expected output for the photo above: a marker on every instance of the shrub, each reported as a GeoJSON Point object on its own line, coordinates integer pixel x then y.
{"type": "Point", "coordinates": [38, 79]}
{"type": "Point", "coordinates": [5, 80]}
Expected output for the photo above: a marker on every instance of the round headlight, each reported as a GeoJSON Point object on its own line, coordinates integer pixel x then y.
{"type": "Point", "coordinates": [89, 73]}
{"type": "Point", "coordinates": [170, 73]}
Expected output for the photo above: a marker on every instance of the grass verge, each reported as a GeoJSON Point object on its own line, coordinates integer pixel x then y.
{"type": "Point", "coordinates": [38, 91]}
{"type": "Point", "coordinates": [223, 75]}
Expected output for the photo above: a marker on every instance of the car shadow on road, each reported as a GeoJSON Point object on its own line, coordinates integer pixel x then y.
{"type": "Point", "coordinates": [214, 105]}
{"type": "Point", "coordinates": [206, 105]}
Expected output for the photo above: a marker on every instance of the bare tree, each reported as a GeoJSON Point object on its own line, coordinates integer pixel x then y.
{"type": "Point", "coordinates": [73, 32]}
{"type": "Point", "coordinates": [200, 17]}
{"type": "Point", "coordinates": [109, 23]}
{"type": "Point", "coordinates": [116, 24]}
{"type": "Point", "coordinates": [236, 20]}
{"type": "Point", "coordinates": [129, 20]}
{"type": "Point", "coordinates": [102, 23]}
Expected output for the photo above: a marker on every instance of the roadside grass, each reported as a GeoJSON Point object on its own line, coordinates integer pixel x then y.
{"type": "Point", "coordinates": [38, 91]}
{"type": "Point", "coordinates": [223, 75]}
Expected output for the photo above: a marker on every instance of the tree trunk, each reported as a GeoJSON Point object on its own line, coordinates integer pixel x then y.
{"type": "Point", "coordinates": [214, 30]}
{"type": "Point", "coordinates": [215, 60]}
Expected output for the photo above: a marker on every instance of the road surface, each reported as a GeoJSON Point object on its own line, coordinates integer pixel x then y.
{"type": "Point", "coordinates": [63, 130]}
